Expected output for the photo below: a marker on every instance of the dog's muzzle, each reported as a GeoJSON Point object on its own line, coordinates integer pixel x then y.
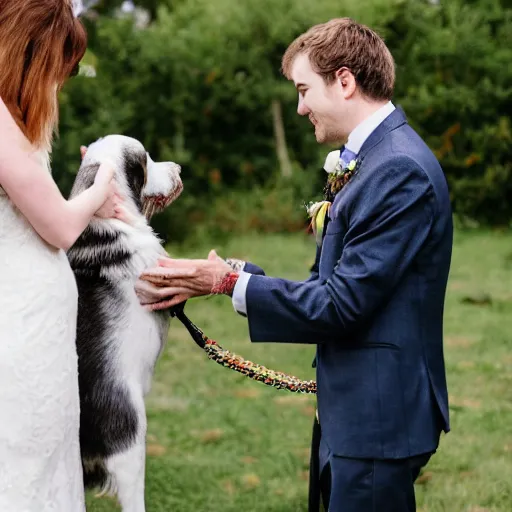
{"type": "Point", "coordinates": [164, 185]}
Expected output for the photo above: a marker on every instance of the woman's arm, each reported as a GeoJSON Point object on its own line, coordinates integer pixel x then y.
{"type": "Point", "coordinates": [32, 189]}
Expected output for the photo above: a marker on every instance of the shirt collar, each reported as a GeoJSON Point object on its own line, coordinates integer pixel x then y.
{"type": "Point", "coordinates": [363, 130]}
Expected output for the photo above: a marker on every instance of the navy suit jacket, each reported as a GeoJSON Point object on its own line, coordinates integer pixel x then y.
{"type": "Point", "coordinates": [374, 302]}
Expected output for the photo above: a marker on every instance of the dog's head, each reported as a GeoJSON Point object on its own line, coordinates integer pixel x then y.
{"type": "Point", "coordinates": [148, 186]}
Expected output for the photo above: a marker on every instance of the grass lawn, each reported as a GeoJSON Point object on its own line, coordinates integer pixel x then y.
{"type": "Point", "coordinates": [220, 442]}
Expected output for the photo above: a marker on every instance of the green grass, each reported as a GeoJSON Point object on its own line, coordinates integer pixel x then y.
{"type": "Point", "coordinates": [220, 442]}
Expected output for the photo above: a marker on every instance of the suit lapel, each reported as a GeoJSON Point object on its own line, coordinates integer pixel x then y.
{"type": "Point", "coordinates": [392, 122]}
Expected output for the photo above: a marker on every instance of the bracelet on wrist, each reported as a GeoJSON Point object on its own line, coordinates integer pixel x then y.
{"type": "Point", "coordinates": [226, 285]}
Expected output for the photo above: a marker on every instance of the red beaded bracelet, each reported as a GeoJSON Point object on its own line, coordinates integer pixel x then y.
{"type": "Point", "coordinates": [226, 285]}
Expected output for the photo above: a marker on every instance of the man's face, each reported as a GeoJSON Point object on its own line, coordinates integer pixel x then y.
{"type": "Point", "coordinates": [324, 104]}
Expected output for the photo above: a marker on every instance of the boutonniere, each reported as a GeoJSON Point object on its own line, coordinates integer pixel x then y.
{"type": "Point", "coordinates": [339, 173]}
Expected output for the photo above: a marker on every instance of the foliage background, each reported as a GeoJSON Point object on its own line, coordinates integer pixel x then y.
{"type": "Point", "coordinates": [198, 82]}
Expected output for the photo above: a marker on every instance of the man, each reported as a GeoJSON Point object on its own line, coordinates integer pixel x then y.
{"type": "Point", "coordinates": [374, 301]}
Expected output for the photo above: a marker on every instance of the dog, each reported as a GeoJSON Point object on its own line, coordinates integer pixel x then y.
{"type": "Point", "coordinates": [118, 341]}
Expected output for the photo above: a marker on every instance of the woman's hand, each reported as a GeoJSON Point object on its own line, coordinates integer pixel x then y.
{"type": "Point", "coordinates": [104, 177]}
{"type": "Point", "coordinates": [113, 207]}
{"type": "Point", "coordinates": [106, 187]}
{"type": "Point", "coordinates": [105, 184]}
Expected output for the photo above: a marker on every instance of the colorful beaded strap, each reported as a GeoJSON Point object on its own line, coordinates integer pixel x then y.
{"type": "Point", "coordinates": [252, 370]}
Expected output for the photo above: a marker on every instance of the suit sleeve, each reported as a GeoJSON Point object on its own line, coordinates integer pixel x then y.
{"type": "Point", "coordinates": [251, 268]}
{"type": "Point", "coordinates": [388, 223]}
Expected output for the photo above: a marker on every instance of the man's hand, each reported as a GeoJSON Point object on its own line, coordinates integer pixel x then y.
{"type": "Point", "coordinates": [180, 280]}
{"type": "Point", "coordinates": [152, 297]}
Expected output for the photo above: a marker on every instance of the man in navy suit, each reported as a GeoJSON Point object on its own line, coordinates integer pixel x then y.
{"type": "Point", "coordinates": [374, 302]}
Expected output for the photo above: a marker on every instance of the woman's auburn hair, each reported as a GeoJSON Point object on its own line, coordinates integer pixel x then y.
{"type": "Point", "coordinates": [41, 45]}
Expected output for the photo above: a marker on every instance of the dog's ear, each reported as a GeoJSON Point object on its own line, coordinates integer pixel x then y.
{"type": "Point", "coordinates": [83, 151]}
{"type": "Point", "coordinates": [88, 173]}
{"type": "Point", "coordinates": [84, 178]}
{"type": "Point", "coordinates": [136, 174]}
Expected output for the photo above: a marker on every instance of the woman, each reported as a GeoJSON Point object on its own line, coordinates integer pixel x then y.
{"type": "Point", "coordinates": [41, 44]}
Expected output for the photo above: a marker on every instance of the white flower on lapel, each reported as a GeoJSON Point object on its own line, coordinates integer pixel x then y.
{"type": "Point", "coordinates": [332, 162]}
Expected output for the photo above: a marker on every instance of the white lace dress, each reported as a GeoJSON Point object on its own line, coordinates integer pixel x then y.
{"type": "Point", "coordinates": [40, 468]}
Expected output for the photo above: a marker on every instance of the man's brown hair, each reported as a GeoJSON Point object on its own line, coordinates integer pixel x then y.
{"type": "Point", "coordinates": [342, 42]}
{"type": "Point", "coordinates": [41, 44]}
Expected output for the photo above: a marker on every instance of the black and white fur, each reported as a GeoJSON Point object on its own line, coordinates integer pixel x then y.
{"type": "Point", "coordinates": [118, 341]}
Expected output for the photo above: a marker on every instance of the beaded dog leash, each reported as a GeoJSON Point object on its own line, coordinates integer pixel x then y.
{"type": "Point", "coordinates": [237, 363]}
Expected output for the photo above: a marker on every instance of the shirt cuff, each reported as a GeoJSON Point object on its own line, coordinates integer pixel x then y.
{"type": "Point", "coordinates": [239, 290]}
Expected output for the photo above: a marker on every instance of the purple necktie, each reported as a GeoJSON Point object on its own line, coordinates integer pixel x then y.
{"type": "Point", "coordinates": [347, 156]}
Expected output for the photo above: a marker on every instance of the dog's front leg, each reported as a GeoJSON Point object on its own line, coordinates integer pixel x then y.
{"type": "Point", "coordinates": [128, 468]}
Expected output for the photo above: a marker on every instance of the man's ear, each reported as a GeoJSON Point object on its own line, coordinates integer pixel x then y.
{"type": "Point", "coordinates": [347, 82]}
{"type": "Point", "coordinates": [83, 151]}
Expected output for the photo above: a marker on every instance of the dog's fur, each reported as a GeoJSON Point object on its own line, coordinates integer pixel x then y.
{"type": "Point", "coordinates": [118, 341]}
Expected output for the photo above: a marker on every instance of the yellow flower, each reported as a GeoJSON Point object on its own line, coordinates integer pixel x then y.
{"type": "Point", "coordinates": [318, 211]}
